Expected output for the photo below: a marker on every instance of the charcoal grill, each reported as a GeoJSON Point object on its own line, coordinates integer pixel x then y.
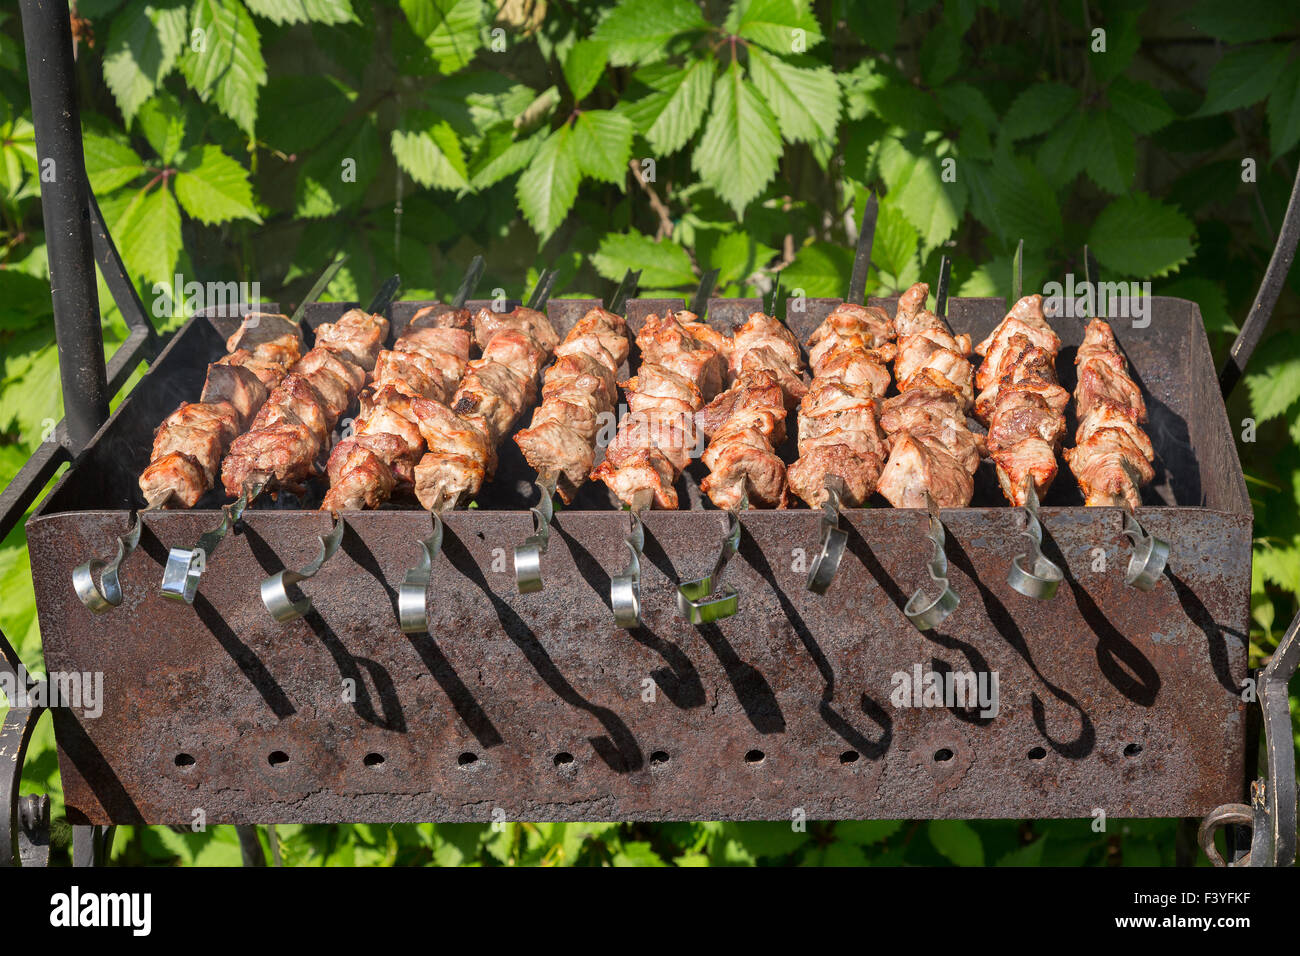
{"type": "Point", "coordinates": [540, 706]}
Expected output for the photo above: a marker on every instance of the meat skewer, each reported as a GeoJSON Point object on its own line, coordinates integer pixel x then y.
{"type": "Point", "coordinates": [578, 391]}
{"type": "Point", "coordinates": [1023, 406]}
{"type": "Point", "coordinates": [427, 361]}
{"type": "Point", "coordinates": [1112, 456]}
{"type": "Point", "coordinates": [497, 388]}
{"type": "Point", "coordinates": [625, 588]}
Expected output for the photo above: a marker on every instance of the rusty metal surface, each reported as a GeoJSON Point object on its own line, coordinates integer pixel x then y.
{"type": "Point", "coordinates": [538, 705]}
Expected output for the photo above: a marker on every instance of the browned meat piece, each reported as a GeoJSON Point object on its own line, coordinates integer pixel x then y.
{"type": "Point", "coordinates": [659, 387]}
{"type": "Point", "coordinates": [384, 413]}
{"type": "Point", "coordinates": [755, 395]}
{"type": "Point", "coordinates": [360, 472]}
{"type": "Point", "coordinates": [268, 373]}
{"type": "Point", "coordinates": [356, 336]}
{"type": "Point", "coordinates": [269, 337]}
{"type": "Point", "coordinates": [352, 375]}
{"type": "Point", "coordinates": [1016, 334]}
{"type": "Point", "coordinates": [219, 416]}
{"type": "Point", "coordinates": [440, 316]}
{"type": "Point", "coordinates": [200, 443]}
{"type": "Point", "coordinates": [284, 452]}
{"type": "Point", "coordinates": [1100, 381]}
{"type": "Point", "coordinates": [1027, 312]}
{"type": "Point", "coordinates": [445, 480]}
{"type": "Point", "coordinates": [1110, 468]}
{"type": "Point", "coordinates": [492, 395]}
{"type": "Point", "coordinates": [646, 469]}
{"type": "Point", "coordinates": [923, 362]}
{"type": "Point", "coordinates": [450, 433]}
{"type": "Point", "coordinates": [1106, 414]}
{"type": "Point", "coordinates": [668, 343]}
{"type": "Point", "coordinates": [919, 404]}
{"type": "Point", "coordinates": [173, 477]}
{"type": "Point", "coordinates": [853, 364]}
{"type": "Point", "coordinates": [1033, 370]}
{"type": "Point", "coordinates": [411, 373]}
{"type": "Point", "coordinates": [706, 336]}
{"type": "Point", "coordinates": [860, 471]}
{"type": "Point", "coordinates": [1032, 459]}
{"type": "Point", "coordinates": [534, 324]}
{"type": "Point", "coordinates": [761, 331]}
{"type": "Point", "coordinates": [296, 394]}
{"type": "Point", "coordinates": [916, 466]}
{"type": "Point", "coordinates": [864, 327]}
{"type": "Point", "coordinates": [1022, 415]}
{"type": "Point", "coordinates": [602, 327]}
{"type": "Point", "coordinates": [741, 463]}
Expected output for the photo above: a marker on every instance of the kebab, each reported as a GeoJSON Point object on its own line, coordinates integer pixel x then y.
{"type": "Point", "coordinates": [426, 361]}
{"type": "Point", "coordinates": [1023, 407]}
{"type": "Point", "coordinates": [578, 391]}
{"type": "Point", "coordinates": [933, 453]}
{"type": "Point", "coordinates": [497, 388]}
{"type": "Point", "coordinates": [1112, 456]}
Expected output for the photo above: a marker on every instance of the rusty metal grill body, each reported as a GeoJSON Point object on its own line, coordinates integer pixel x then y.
{"type": "Point", "coordinates": [539, 705]}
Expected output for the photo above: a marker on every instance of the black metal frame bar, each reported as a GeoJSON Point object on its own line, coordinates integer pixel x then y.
{"type": "Point", "coordinates": [78, 240]}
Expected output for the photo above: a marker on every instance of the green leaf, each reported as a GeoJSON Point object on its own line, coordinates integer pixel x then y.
{"type": "Point", "coordinates": [213, 188]}
{"type": "Point", "coordinates": [228, 66]}
{"type": "Point", "coordinates": [1122, 42]}
{"type": "Point", "coordinates": [584, 65]}
{"type": "Point", "coordinates": [1014, 200]}
{"type": "Point", "coordinates": [738, 153]}
{"type": "Point", "coordinates": [147, 227]}
{"type": "Point", "coordinates": [1139, 104]}
{"type": "Point", "coordinates": [958, 841]}
{"type": "Point", "coordinates": [337, 173]}
{"type": "Point", "coordinates": [932, 205]}
{"type": "Point", "coordinates": [637, 854]}
{"type": "Point", "coordinates": [1031, 854]}
{"type": "Point", "coordinates": [546, 190]}
{"type": "Point", "coordinates": [663, 264]}
{"type": "Point", "coordinates": [767, 838]}
{"type": "Point", "coordinates": [110, 164]}
{"type": "Point", "coordinates": [1242, 21]}
{"type": "Point", "coordinates": [639, 31]}
{"type": "Point", "coordinates": [1037, 109]}
{"type": "Point", "coordinates": [940, 54]}
{"type": "Point", "coordinates": [1207, 294]}
{"type": "Point", "coordinates": [1243, 77]}
{"type": "Point", "coordinates": [806, 101]}
{"type": "Point", "coordinates": [1280, 566]}
{"type": "Point", "coordinates": [501, 155]}
{"type": "Point", "coordinates": [670, 116]}
{"type": "Point", "coordinates": [894, 251]}
{"type": "Point", "coordinates": [1275, 384]}
{"type": "Point", "coordinates": [736, 255]}
{"type": "Point", "coordinates": [292, 107]}
{"type": "Point", "coordinates": [303, 11]}
{"type": "Point", "coordinates": [602, 143]}
{"type": "Point", "coordinates": [1065, 152]}
{"type": "Point", "coordinates": [142, 48]}
{"type": "Point", "coordinates": [1140, 236]}
{"type": "Point", "coordinates": [782, 26]}
{"type": "Point", "coordinates": [866, 832]}
{"type": "Point", "coordinates": [431, 152]}
{"type": "Point", "coordinates": [1284, 110]}
{"type": "Point", "coordinates": [449, 28]}
{"type": "Point", "coordinates": [162, 120]}
{"type": "Point", "coordinates": [820, 269]}
{"type": "Point", "coordinates": [875, 23]}
{"type": "Point", "coordinates": [1112, 156]}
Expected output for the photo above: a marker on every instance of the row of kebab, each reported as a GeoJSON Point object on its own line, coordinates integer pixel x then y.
{"type": "Point", "coordinates": [431, 411]}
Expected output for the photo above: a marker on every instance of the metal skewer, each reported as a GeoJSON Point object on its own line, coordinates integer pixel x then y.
{"type": "Point", "coordinates": [834, 540]}
{"type": "Point", "coordinates": [528, 556]}
{"type": "Point", "coordinates": [107, 593]}
{"type": "Point", "coordinates": [625, 589]}
{"type": "Point", "coordinates": [695, 599]}
{"type": "Point", "coordinates": [275, 589]}
{"type": "Point", "coordinates": [185, 566]}
{"type": "Point", "coordinates": [1150, 555]}
{"type": "Point", "coordinates": [1033, 574]}
{"type": "Point", "coordinates": [928, 614]}
{"type": "Point", "coordinates": [412, 609]}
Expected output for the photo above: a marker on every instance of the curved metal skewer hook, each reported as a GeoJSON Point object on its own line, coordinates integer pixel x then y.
{"type": "Point", "coordinates": [528, 556]}
{"type": "Point", "coordinates": [1146, 565]}
{"type": "Point", "coordinates": [412, 609]}
{"type": "Point", "coordinates": [107, 593]}
{"type": "Point", "coordinates": [625, 589]}
{"type": "Point", "coordinates": [185, 566]}
{"type": "Point", "coordinates": [1032, 573]}
{"type": "Point", "coordinates": [834, 539]}
{"type": "Point", "coordinates": [927, 614]}
{"type": "Point", "coordinates": [695, 600]}
{"type": "Point", "coordinates": [275, 589]}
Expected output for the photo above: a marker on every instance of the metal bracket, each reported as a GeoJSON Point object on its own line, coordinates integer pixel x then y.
{"type": "Point", "coordinates": [695, 600]}
{"type": "Point", "coordinates": [1032, 573]}
{"type": "Point", "coordinates": [1150, 555]}
{"type": "Point", "coordinates": [528, 556]}
{"type": "Point", "coordinates": [928, 614]}
{"type": "Point", "coordinates": [625, 589]}
{"type": "Point", "coordinates": [412, 609]}
{"type": "Point", "coordinates": [185, 567]}
{"type": "Point", "coordinates": [107, 594]}
{"type": "Point", "coordinates": [24, 820]}
{"type": "Point", "coordinates": [275, 589]}
{"type": "Point", "coordinates": [834, 539]}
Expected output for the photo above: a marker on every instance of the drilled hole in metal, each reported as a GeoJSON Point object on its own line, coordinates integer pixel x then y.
{"type": "Point", "coordinates": [373, 760]}
{"type": "Point", "coordinates": [943, 754]}
{"type": "Point", "coordinates": [184, 760]}
{"type": "Point", "coordinates": [563, 758]}
{"type": "Point", "coordinates": [659, 757]}
{"type": "Point", "coordinates": [849, 756]}
{"type": "Point", "coordinates": [277, 757]}
{"type": "Point", "coordinates": [1132, 750]}
{"type": "Point", "coordinates": [467, 759]}
{"type": "Point", "coordinates": [1038, 753]}
{"type": "Point", "coordinates": [755, 756]}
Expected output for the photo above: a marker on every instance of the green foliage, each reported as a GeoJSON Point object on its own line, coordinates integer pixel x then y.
{"type": "Point", "coordinates": [255, 139]}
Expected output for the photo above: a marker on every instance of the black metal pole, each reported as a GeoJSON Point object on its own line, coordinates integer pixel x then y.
{"type": "Point", "coordinates": [51, 76]}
